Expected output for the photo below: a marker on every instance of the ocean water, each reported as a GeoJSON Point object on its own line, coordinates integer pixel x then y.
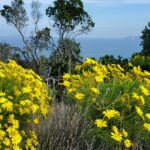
{"type": "Point", "coordinates": [96, 47]}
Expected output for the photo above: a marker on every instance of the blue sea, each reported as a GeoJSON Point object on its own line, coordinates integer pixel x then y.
{"type": "Point", "coordinates": [97, 47]}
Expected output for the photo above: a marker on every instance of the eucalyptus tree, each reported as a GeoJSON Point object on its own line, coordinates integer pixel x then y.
{"type": "Point", "coordinates": [16, 16]}
{"type": "Point", "coordinates": [68, 20]}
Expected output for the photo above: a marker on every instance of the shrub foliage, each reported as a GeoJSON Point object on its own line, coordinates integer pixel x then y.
{"type": "Point", "coordinates": [23, 97]}
{"type": "Point", "coordinates": [117, 102]}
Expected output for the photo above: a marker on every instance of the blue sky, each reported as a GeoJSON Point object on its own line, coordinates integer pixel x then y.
{"type": "Point", "coordinates": [113, 18]}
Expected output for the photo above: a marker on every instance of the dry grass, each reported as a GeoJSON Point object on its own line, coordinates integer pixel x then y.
{"type": "Point", "coordinates": [64, 129]}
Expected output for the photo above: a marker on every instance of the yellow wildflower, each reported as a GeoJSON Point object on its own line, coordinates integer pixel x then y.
{"type": "Point", "coordinates": [86, 74]}
{"type": "Point", "coordinates": [127, 143]}
{"type": "Point", "coordinates": [100, 123]}
{"type": "Point", "coordinates": [26, 90]}
{"type": "Point", "coordinates": [28, 143]}
{"type": "Point", "coordinates": [99, 79]}
{"type": "Point", "coordinates": [2, 75]}
{"type": "Point", "coordinates": [137, 70]}
{"type": "Point", "coordinates": [15, 147]}
{"type": "Point", "coordinates": [147, 115]}
{"type": "Point", "coordinates": [79, 96]}
{"type": "Point", "coordinates": [78, 67]}
{"type": "Point", "coordinates": [35, 108]}
{"type": "Point", "coordinates": [66, 76]}
{"type": "Point", "coordinates": [95, 90]}
{"type": "Point", "coordinates": [89, 61]}
{"type": "Point", "coordinates": [114, 128]}
{"type": "Point", "coordinates": [17, 92]}
{"type": "Point", "coordinates": [2, 94]}
{"type": "Point", "coordinates": [8, 106]}
{"type": "Point", "coordinates": [2, 134]}
{"type": "Point", "coordinates": [144, 90]}
{"type": "Point", "coordinates": [15, 135]}
{"type": "Point", "coordinates": [124, 133]}
{"type": "Point", "coordinates": [66, 83]}
{"type": "Point", "coordinates": [6, 141]}
{"type": "Point", "coordinates": [70, 90]}
{"type": "Point", "coordinates": [111, 113]}
{"type": "Point", "coordinates": [26, 102]}
{"type": "Point", "coordinates": [116, 136]}
{"type": "Point", "coordinates": [139, 111]}
{"type": "Point", "coordinates": [147, 126]}
{"type": "Point", "coordinates": [36, 121]}
{"type": "Point", "coordinates": [3, 100]}
{"type": "Point", "coordinates": [140, 99]}
{"type": "Point", "coordinates": [119, 67]}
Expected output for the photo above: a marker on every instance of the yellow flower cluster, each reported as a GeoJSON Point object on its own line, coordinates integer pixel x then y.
{"type": "Point", "coordinates": [100, 123]}
{"type": "Point", "coordinates": [79, 96]}
{"type": "Point", "coordinates": [95, 90]}
{"type": "Point", "coordinates": [111, 113]}
{"type": "Point", "coordinates": [90, 71]}
{"type": "Point", "coordinates": [139, 111]}
{"type": "Point", "coordinates": [116, 135]}
{"type": "Point", "coordinates": [23, 96]}
{"type": "Point", "coordinates": [139, 98]}
{"type": "Point", "coordinates": [144, 90]}
{"type": "Point", "coordinates": [117, 98]}
{"type": "Point", "coordinates": [147, 126]}
{"type": "Point", "coordinates": [119, 136]}
{"type": "Point", "coordinates": [31, 142]}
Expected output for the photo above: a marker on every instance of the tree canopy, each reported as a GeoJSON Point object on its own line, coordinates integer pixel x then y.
{"type": "Point", "coordinates": [39, 39]}
{"type": "Point", "coordinates": [69, 18]}
{"type": "Point", "coordinates": [146, 41]}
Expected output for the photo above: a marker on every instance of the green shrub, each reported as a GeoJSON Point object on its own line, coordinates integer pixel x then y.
{"type": "Point", "coordinates": [142, 61]}
{"type": "Point", "coordinates": [23, 97]}
{"type": "Point", "coordinates": [115, 101]}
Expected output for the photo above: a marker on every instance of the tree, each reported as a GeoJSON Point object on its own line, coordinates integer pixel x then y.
{"type": "Point", "coordinates": [69, 18]}
{"type": "Point", "coordinates": [8, 52]}
{"type": "Point", "coordinates": [146, 41]}
{"type": "Point", "coordinates": [108, 59]}
{"type": "Point", "coordinates": [64, 58]}
{"type": "Point", "coordinates": [16, 16]}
